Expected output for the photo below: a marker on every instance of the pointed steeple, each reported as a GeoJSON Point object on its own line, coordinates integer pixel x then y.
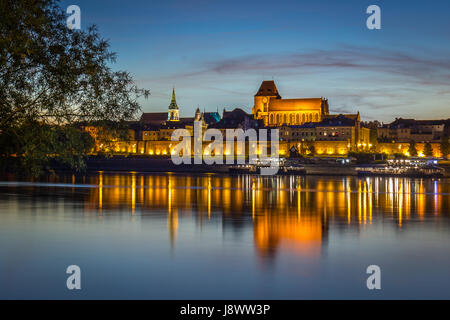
{"type": "Point", "coordinates": [173, 108]}
{"type": "Point", "coordinates": [197, 114]}
{"type": "Point", "coordinates": [173, 102]}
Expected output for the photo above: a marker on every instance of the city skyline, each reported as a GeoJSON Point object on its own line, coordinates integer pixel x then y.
{"type": "Point", "coordinates": [218, 158]}
{"type": "Point", "coordinates": [216, 54]}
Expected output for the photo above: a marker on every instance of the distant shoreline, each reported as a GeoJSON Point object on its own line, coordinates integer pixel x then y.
{"type": "Point", "coordinates": [148, 165]}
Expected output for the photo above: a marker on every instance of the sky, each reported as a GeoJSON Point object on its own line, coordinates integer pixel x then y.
{"type": "Point", "coordinates": [216, 53]}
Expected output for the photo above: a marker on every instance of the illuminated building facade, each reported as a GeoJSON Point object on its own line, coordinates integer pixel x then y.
{"type": "Point", "coordinates": [151, 135]}
{"type": "Point", "coordinates": [305, 127]}
{"type": "Point", "coordinates": [405, 130]}
{"type": "Point", "coordinates": [392, 148]}
{"type": "Point", "coordinates": [308, 120]}
{"type": "Point", "coordinates": [275, 111]}
{"type": "Point", "coordinates": [334, 135]}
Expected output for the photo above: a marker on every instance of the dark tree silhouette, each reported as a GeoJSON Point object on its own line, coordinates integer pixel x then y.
{"type": "Point", "coordinates": [412, 149]}
{"type": "Point", "coordinates": [428, 150]}
{"type": "Point", "coordinates": [51, 79]}
{"type": "Point", "coordinates": [445, 146]}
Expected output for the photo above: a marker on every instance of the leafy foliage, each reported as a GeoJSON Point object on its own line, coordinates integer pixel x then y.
{"type": "Point", "coordinates": [412, 148]}
{"type": "Point", "coordinates": [428, 150]}
{"type": "Point", "coordinates": [52, 79]}
{"type": "Point", "coordinates": [373, 126]}
{"type": "Point", "coordinates": [445, 146]}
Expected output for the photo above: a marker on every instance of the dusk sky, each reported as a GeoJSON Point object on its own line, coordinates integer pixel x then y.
{"type": "Point", "coordinates": [216, 53]}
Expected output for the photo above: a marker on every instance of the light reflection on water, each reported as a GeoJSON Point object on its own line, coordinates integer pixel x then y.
{"type": "Point", "coordinates": [215, 236]}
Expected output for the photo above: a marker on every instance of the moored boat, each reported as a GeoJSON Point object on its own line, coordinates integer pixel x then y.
{"type": "Point", "coordinates": [256, 169]}
{"type": "Point", "coordinates": [404, 171]}
{"type": "Point", "coordinates": [291, 170]}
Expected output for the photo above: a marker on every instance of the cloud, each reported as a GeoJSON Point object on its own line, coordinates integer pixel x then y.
{"type": "Point", "coordinates": [378, 82]}
{"type": "Point", "coordinates": [419, 69]}
{"type": "Point", "coordinates": [347, 63]}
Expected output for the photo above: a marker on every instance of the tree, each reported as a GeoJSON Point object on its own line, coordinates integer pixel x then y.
{"type": "Point", "coordinates": [304, 147]}
{"type": "Point", "coordinates": [428, 150]}
{"type": "Point", "coordinates": [373, 126]}
{"type": "Point", "coordinates": [445, 146]}
{"type": "Point", "coordinates": [293, 152]}
{"type": "Point", "coordinates": [412, 149]}
{"type": "Point", "coordinates": [311, 149]}
{"type": "Point", "coordinates": [52, 79]}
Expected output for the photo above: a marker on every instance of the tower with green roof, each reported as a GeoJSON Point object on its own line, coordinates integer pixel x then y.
{"type": "Point", "coordinates": [173, 114]}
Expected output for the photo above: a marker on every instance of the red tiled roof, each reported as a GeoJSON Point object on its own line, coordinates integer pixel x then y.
{"type": "Point", "coordinates": [268, 88]}
{"type": "Point", "coordinates": [154, 117]}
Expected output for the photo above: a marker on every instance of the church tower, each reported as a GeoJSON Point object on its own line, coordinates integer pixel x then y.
{"type": "Point", "coordinates": [267, 91]}
{"type": "Point", "coordinates": [173, 109]}
{"type": "Point", "coordinates": [275, 111]}
{"type": "Point", "coordinates": [198, 115]}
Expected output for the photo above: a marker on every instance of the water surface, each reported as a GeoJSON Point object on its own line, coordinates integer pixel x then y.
{"type": "Point", "coordinates": [171, 236]}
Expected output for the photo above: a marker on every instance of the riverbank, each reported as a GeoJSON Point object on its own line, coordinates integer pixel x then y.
{"type": "Point", "coordinates": [146, 164]}
{"type": "Point", "coordinates": [149, 165]}
{"type": "Point", "coordinates": [161, 165]}
{"type": "Point", "coordinates": [166, 165]}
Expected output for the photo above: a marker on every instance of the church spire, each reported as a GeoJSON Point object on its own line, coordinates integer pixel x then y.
{"type": "Point", "coordinates": [173, 102]}
{"type": "Point", "coordinates": [173, 108]}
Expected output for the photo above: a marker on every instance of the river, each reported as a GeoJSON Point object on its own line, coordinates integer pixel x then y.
{"type": "Point", "coordinates": [213, 236]}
